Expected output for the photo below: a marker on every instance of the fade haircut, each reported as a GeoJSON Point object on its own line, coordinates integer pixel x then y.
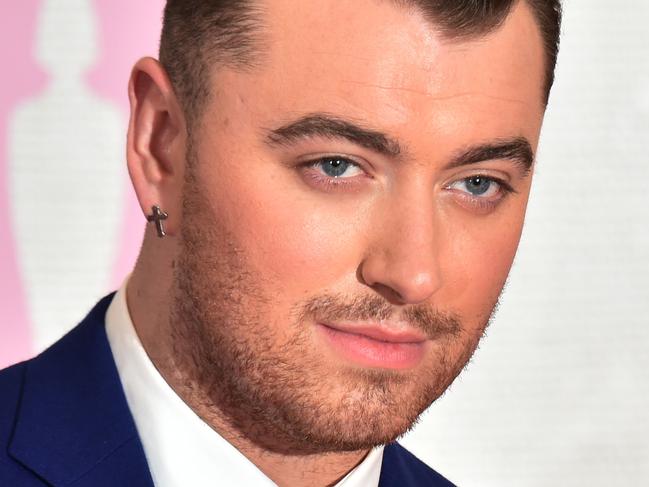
{"type": "Point", "coordinates": [200, 34]}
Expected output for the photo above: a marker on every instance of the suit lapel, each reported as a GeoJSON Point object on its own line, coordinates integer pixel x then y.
{"type": "Point", "coordinates": [400, 468]}
{"type": "Point", "coordinates": [73, 425]}
{"type": "Point", "coordinates": [394, 471]}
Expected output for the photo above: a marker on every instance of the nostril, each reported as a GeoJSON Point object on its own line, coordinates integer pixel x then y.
{"type": "Point", "coordinates": [388, 293]}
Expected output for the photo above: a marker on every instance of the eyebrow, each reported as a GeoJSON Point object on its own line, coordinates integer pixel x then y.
{"type": "Point", "coordinates": [517, 150]}
{"type": "Point", "coordinates": [331, 127]}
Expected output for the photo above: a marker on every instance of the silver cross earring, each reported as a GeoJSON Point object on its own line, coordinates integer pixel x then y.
{"type": "Point", "coordinates": [158, 217]}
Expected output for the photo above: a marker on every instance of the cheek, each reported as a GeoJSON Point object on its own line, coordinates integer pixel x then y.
{"type": "Point", "coordinates": [476, 261]}
{"type": "Point", "coordinates": [300, 242]}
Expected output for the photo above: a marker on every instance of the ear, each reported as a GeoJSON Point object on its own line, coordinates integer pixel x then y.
{"type": "Point", "coordinates": [156, 142]}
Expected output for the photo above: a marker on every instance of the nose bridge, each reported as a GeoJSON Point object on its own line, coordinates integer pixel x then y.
{"type": "Point", "coordinates": [402, 261]}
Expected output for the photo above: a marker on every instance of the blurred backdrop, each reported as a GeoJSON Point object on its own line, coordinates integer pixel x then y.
{"type": "Point", "coordinates": [558, 393]}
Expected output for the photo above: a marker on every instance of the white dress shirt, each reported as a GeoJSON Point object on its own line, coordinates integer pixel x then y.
{"type": "Point", "coordinates": [181, 449]}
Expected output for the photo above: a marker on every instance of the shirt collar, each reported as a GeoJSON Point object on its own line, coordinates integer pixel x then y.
{"type": "Point", "coordinates": [181, 449]}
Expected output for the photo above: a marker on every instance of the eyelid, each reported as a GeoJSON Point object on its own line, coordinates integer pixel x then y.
{"type": "Point", "coordinates": [498, 168]}
{"type": "Point", "coordinates": [314, 158]}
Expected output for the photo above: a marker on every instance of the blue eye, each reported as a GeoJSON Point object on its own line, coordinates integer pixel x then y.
{"type": "Point", "coordinates": [337, 167]}
{"type": "Point", "coordinates": [479, 186]}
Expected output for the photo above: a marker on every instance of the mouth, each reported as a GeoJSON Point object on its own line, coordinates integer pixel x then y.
{"type": "Point", "coordinates": [374, 345]}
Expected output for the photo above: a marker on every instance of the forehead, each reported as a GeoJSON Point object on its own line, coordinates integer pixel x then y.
{"type": "Point", "coordinates": [376, 61]}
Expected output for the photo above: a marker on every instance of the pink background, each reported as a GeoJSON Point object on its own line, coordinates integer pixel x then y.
{"type": "Point", "coordinates": [127, 30]}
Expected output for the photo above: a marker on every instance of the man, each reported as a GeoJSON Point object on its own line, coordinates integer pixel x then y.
{"type": "Point", "coordinates": [335, 193]}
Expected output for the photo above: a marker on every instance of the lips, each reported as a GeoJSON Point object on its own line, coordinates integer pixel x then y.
{"type": "Point", "coordinates": [375, 345]}
{"type": "Point", "coordinates": [381, 333]}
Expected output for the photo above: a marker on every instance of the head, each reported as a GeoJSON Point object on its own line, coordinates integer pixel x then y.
{"type": "Point", "coordinates": [346, 184]}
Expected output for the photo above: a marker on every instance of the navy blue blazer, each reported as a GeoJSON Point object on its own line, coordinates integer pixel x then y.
{"type": "Point", "coordinates": [64, 421]}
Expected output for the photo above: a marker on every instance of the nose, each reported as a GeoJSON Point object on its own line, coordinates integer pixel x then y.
{"type": "Point", "coordinates": [402, 263]}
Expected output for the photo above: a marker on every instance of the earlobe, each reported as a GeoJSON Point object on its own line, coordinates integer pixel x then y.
{"type": "Point", "coordinates": [156, 141]}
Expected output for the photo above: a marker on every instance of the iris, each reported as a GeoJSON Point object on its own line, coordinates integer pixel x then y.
{"type": "Point", "coordinates": [335, 167]}
{"type": "Point", "coordinates": [478, 185]}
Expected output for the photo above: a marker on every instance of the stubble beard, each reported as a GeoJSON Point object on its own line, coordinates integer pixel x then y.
{"type": "Point", "coordinates": [275, 390]}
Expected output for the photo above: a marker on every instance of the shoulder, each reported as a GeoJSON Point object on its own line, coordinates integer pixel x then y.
{"type": "Point", "coordinates": [402, 468]}
{"type": "Point", "coordinates": [36, 396]}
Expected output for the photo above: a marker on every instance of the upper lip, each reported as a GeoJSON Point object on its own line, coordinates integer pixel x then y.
{"type": "Point", "coordinates": [385, 332]}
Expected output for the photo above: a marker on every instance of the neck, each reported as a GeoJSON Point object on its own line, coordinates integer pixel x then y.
{"type": "Point", "coordinates": [149, 301]}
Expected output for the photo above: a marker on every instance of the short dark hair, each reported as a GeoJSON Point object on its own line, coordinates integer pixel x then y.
{"type": "Point", "coordinates": [196, 34]}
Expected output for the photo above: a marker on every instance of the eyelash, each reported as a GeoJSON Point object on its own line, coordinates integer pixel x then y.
{"type": "Point", "coordinates": [475, 202]}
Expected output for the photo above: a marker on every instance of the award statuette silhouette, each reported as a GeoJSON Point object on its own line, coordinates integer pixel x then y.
{"type": "Point", "coordinates": [65, 155]}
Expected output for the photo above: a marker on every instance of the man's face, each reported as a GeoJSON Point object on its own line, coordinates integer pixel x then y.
{"type": "Point", "coordinates": [352, 209]}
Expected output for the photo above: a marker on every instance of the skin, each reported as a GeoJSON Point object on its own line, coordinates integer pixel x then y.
{"type": "Point", "coordinates": [256, 233]}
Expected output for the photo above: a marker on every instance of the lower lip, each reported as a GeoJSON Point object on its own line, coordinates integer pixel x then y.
{"type": "Point", "coordinates": [368, 352]}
